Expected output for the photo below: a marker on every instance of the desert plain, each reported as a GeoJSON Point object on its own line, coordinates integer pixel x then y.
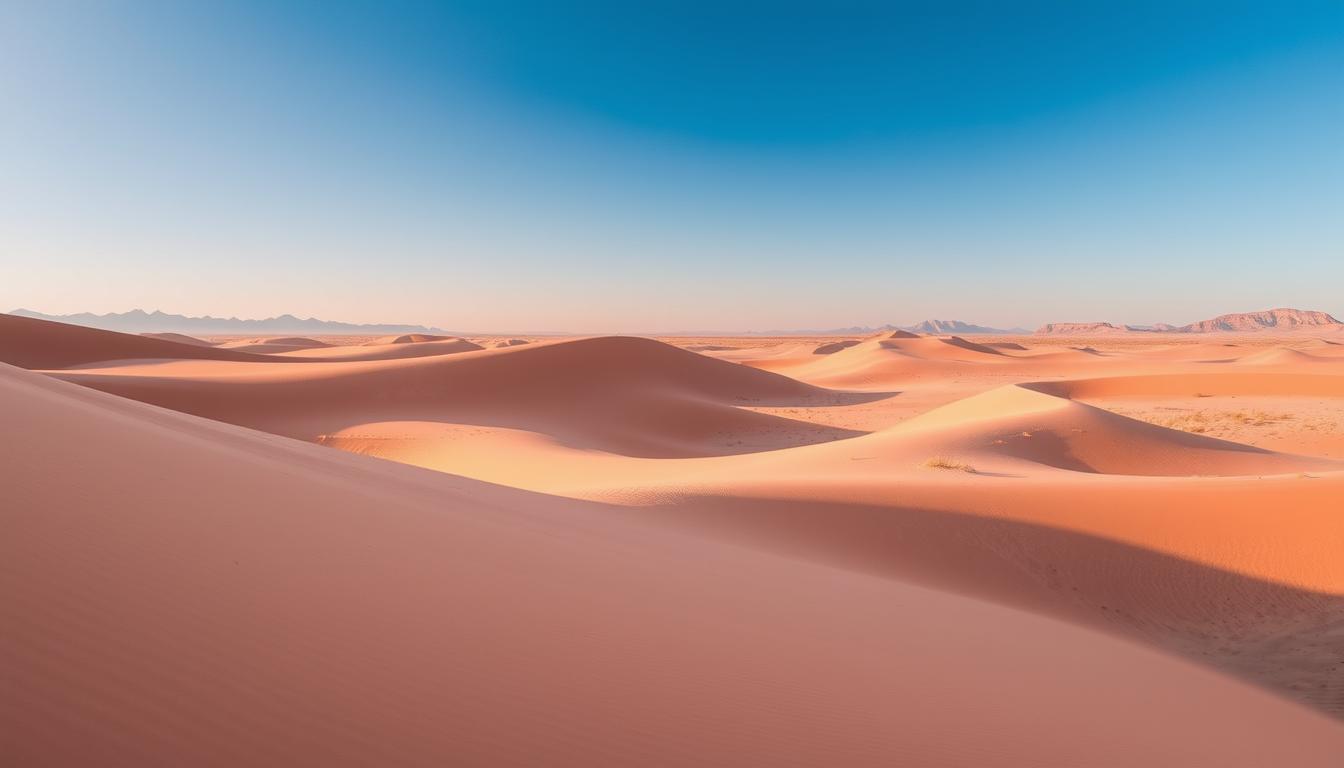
{"type": "Point", "coordinates": [892, 549]}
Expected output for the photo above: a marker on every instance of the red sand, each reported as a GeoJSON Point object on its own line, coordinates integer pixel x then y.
{"type": "Point", "coordinates": [695, 566]}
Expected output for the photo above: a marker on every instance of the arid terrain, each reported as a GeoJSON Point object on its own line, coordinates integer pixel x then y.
{"type": "Point", "coordinates": [899, 549]}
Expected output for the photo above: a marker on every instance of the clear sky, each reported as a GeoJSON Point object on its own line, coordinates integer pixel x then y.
{"type": "Point", "coordinates": [658, 166]}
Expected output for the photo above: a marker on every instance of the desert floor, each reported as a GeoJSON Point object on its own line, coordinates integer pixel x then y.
{"type": "Point", "coordinates": [892, 550]}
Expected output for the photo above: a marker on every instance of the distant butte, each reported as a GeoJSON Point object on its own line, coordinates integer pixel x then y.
{"type": "Point", "coordinates": [1282, 319]}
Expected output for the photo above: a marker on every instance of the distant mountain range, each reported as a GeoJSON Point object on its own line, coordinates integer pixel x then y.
{"type": "Point", "coordinates": [1282, 319]}
{"type": "Point", "coordinates": [958, 328]}
{"type": "Point", "coordinates": [140, 321]}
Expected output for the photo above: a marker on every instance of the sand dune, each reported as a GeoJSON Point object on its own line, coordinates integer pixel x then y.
{"type": "Point", "coordinates": [986, 349]}
{"type": "Point", "coordinates": [835, 346]}
{"type": "Point", "coordinates": [1019, 422]}
{"type": "Point", "coordinates": [274, 344]}
{"type": "Point", "coordinates": [700, 562]}
{"type": "Point", "coordinates": [1280, 356]}
{"type": "Point", "coordinates": [620, 395]}
{"type": "Point", "coordinates": [31, 343]}
{"type": "Point", "coordinates": [1253, 595]}
{"type": "Point", "coordinates": [1236, 382]}
{"type": "Point", "coordinates": [393, 350]}
{"type": "Point", "coordinates": [1202, 352]}
{"type": "Point", "coordinates": [424, 619]}
{"type": "Point", "coordinates": [180, 338]}
{"type": "Point", "coordinates": [283, 341]}
{"type": "Point", "coordinates": [408, 338]}
{"type": "Point", "coordinates": [879, 361]}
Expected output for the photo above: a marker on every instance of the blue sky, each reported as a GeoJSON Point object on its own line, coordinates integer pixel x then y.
{"type": "Point", "coordinates": [673, 166]}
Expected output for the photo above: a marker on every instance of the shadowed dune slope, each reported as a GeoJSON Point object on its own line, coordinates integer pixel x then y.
{"type": "Point", "coordinates": [1016, 546]}
{"type": "Point", "coordinates": [1232, 382]}
{"type": "Point", "coordinates": [407, 338]}
{"type": "Point", "coordinates": [332, 610]}
{"type": "Point", "coordinates": [31, 343]}
{"type": "Point", "coordinates": [282, 341]}
{"type": "Point", "coordinates": [619, 394]}
{"type": "Point", "coordinates": [1024, 423]}
{"type": "Point", "coordinates": [957, 341]}
{"type": "Point", "coordinates": [275, 344]}
{"type": "Point", "coordinates": [885, 360]}
{"type": "Point", "coordinates": [835, 346]}
{"type": "Point", "coordinates": [180, 338]}
{"type": "Point", "coordinates": [431, 346]}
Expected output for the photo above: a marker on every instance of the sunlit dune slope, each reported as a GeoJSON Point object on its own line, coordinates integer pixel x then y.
{"type": "Point", "coordinates": [270, 345]}
{"type": "Point", "coordinates": [183, 592]}
{"type": "Point", "coordinates": [881, 360]}
{"type": "Point", "coordinates": [622, 395]}
{"type": "Point", "coordinates": [400, 347]}
{"type": "Point", "coordinates": [1022, 423]}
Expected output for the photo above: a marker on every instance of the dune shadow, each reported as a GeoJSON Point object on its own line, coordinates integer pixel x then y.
{"type": "Point", "coordinates": [1048, 448]}
{"type": "Point", "coordinates": [652, 423]}
{"type": "Point", "coordinates": [840, 398]}
{"type": "Point", "coordinates": [818, 397]}
{"type": "Point", "coordinates": [1282, 638]}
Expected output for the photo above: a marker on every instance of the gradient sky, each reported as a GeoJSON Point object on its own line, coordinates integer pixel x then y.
{"type": "Point", "coordinates": [656, 166]}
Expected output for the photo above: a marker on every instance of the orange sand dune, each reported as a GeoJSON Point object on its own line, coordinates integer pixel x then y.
{"type": "Point", "coordinates": [834, 346]}
{"type": "Point", "coordinates": [408, 338]}
{"type": "Point", "coordinates": [1022, 423]}
{"type": "Point", "coordinates": [1202, 352]}
{"type": "Point", "coordinates": [896, 562]}
{"type": "Point", "coordinates": [1236, 382]}
{"type": "Point", "coordinates": [932, 347]}
{"type": "Point", "coordinates": [1282, 356]}
{"type": "Point", "coordinates": [790, 348]}
{"type": "Point", "coordinates": [274, 344]}
{"type": "Point", "coordinates": [31, 343]}
{"type": "Point", "coordinates": [180, 338]}
{"type": "Point", "coordinates": [199, 594]}
{"type": "Point", "coordinates": [391, 350]}
{"type": "Point", "coordinates": [1327, 345]}
{"type": "Point", "coordinates": [284, 341]}
{"type": "Point", "coordinates": [887, 361]}
{"type": "Point", "coordinates": [621, 395]}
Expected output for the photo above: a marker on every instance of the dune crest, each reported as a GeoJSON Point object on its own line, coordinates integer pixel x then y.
{"type": "Point", "coordinates": [829, 503]}
{"type": "Point", "coordinates": [180, 338]}
{"type": "Point", "coordinates": [1023, 423]}
{"type": "Point", "coordinates": [356, 543]}
{"type": "Point", "coordinates": [407, 338]}
{"type": "Point", "coordinates": [636, 396]}
{"type": "Point", "coordinates": [31, 343]}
